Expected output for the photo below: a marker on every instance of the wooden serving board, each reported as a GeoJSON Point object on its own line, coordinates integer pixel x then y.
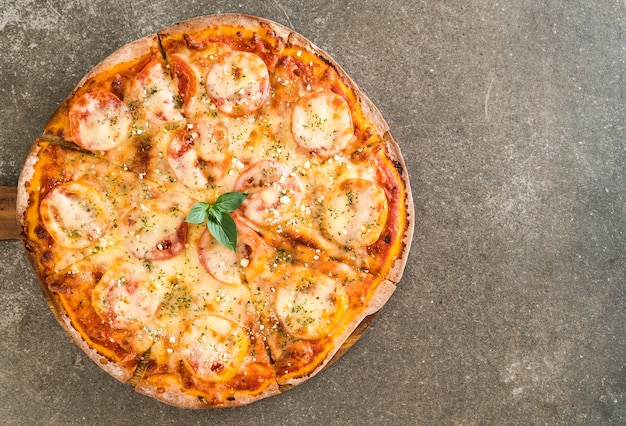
{"type": "Point", "coordinates": [8, 223]}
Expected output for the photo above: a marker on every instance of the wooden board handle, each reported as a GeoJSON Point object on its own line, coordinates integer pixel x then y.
{"type": "Point", "coordinates": [8, 224]}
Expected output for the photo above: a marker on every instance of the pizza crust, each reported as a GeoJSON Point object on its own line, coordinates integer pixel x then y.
{"type": "Point", "coordinates": [393, 151]}
{"type": "Point", "coordinates": [233, 19]}
{"type": "Point", "coordinates": [26, 175]}
{"type": "Point", "coordinates": [173, 395]}
{"type": "Point", "coordinates": [115, 370]}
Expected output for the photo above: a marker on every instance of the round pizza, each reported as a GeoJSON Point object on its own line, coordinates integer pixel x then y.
{"type": "Point", "coordinates": [216, 212]}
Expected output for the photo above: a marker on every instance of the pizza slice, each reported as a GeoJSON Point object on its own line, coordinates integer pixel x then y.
{"type": "Point", "coordinates": [107, 304]}
{"type": "Point", "coordinates": [73, 205]}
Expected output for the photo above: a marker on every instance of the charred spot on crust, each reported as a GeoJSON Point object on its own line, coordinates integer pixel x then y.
{"type": "Point", "coordinates": [398, 165]}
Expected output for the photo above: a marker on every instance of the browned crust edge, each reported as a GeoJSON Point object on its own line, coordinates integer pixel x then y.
{"type": "Point", "coordinates": [395, 155]}
{"type": "Point", "coordinates": [28, 170]}
{"type": "Point", "coordinates": [176, 397]}
{"type": "Point", "coordinates": [114, 369]}
{"type": "Point", "coordinates": [234, 19]}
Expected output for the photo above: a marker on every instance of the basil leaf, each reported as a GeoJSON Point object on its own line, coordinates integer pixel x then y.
{"type": "Point", "coordinates": [229, 201]}
{"type": "Point", "coordinates": [225, 231]}
{"type": "Point", "coordinates": [219, 222]}
{"type": "Point", "coordinates": [216, 215]}
{"type": "Point", "coordinates": [198, 213]}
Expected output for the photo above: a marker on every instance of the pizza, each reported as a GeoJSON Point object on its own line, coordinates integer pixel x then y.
{"type": "Point", "coordinates": [306, 215]}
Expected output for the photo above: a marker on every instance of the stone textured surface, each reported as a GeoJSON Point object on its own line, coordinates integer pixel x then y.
{"type": "Point", "coordinates": [511, 117]}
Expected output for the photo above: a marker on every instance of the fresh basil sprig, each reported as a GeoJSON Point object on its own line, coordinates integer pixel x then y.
{"type": "Point", "coordinates": [219, 222]}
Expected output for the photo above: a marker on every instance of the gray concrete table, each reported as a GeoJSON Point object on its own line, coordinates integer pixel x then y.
{"type": "Point", "coordinates": [511, 116]}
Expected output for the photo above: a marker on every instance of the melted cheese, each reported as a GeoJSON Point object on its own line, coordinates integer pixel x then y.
{"type": "Point", "coordinates": [151, 230]}
{"type": "Point", "coordinates": [213, 347]}
{"type": "Point", "coordinates": [192, 290]}
{"type": "Point", "coordinates": [184, 162]}
{"type": "Point", "coordinates": [155, 95]}
{"type": "Point", "coordinates": [74, 214]}
{"type": "Point", "coordinates": [99, 121]}
{"type": "Point", "coordinates": [239, 83]}
{"type": "Point", "coordinates": [356, 212]}
{"type": "Point", "coordinates": [211, 140]}
{"type": "Point", "coordinates": [321, 123]}
{"type": "Point", "coordinates": [231, 267]}
{"type": "Point", "coordinates": [293, 150]}
{"type": "Point", "coordinates": [222, 263]}
{"type": "Point", "coordinates": [126, 297]}
{"type": "Point", "coordinates": [274, 192]}
{"type": "Point", "coordinates": [309, 304]}
{"type": "Point", "coordinates": [198, 155]}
